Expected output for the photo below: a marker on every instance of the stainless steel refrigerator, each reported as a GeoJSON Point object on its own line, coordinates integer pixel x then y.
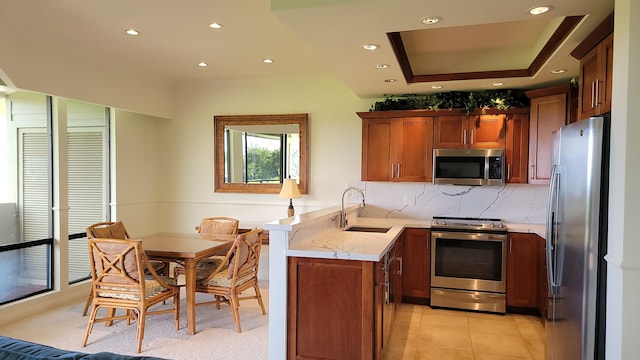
{"type": "Point", "coordinates": [577, 240]}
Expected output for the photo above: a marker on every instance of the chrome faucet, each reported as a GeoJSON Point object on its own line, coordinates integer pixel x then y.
{"type": "Point", "coordinates": [343, 216]}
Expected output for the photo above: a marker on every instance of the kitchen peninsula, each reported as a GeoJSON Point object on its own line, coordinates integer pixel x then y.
{"type": "Point", "coordinates": [330, 289]}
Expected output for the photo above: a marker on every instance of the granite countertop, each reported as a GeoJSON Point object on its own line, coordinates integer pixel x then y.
{"type": "Point", "coordinates": [334, 243]}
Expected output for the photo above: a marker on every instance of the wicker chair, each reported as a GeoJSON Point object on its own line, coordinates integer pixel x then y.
{"type": "Point", "coordinates": [211, 225]}
{"type": "Point", "coordinates": [124, 278]}
{"type": "Point", "coordinates": [235, 273]}
{"type": "Point", "coordinates": [111, 230]}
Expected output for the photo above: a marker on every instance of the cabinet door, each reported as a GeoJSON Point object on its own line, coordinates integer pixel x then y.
{"type": "Point", "coordinates": [416, 266]}
{"type": "Point", "coordinates": [413, 141]}
{"type": "Point", "coordinates": [589, 69]}
{"type": "Point", "coordinates": [548, 113]}
{"type": "Point", "coordinates": [487, 131]}
{"type": "Point", "coordinates": [522, 270]}
{"type": "Point", "coordinates": [450, 132]}
{"type": "Point", "coordinates": [517, 148]}
{"type": "Point", "coordinates": [543, 282]}
{"type": "Point", "coordinates": [376, 150]}
{"type": "Point", "coordinates": [606, 69]}
{"type": "Point", "coordinates": [330, 309]}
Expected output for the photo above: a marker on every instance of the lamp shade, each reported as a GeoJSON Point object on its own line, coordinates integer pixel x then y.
{"type": "Point", "coordinates": [289, 189]}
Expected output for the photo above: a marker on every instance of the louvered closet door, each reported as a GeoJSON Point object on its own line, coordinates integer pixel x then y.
{"type": "Point", "coordinates": [34, 194]}
{"type": "Point", "coordinates": [87, 192]}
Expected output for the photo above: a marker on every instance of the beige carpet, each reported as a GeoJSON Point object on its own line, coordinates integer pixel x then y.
{"type": "Point", "coordinates": [216, 336]}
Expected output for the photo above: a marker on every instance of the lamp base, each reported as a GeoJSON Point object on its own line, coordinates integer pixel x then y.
{"type": "Point", "coordinates": [290, 211]}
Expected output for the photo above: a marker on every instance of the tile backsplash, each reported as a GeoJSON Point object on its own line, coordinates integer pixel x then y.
{"type": "Point", "coordinates": [517, 203]}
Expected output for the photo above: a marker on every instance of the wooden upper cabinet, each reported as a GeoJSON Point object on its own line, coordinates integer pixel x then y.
{"type": "Point", "coordinates": [517, 148]}
{"type": "Point", "coordinates": [551, 108]}
{"type": "Point", "coordinates": [397, 148]}
{"type": "Point", "coordinates": [469, 132]}
{"type": "Point", "coordinates": [595, 80]}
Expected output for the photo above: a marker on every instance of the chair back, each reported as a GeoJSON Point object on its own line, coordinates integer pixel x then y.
{"type": "Point", "coordinates": [243, 264]}
{"type": "Point", "coordinates": [116, 268]}
{"type": "Point", "coordinates": [218, 225]}
{"type": "Point", "coordinates": [108, 230]}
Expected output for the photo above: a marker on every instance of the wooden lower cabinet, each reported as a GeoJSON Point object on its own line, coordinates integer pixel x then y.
{"type": "Point", "coordinates": [416, 266]}
{"type": "Point", "coordinates": [543, 282]}
{"type": "Point", "coordinates": [335, 309]}
{"type": "Point", "coordinates": [522, 270]}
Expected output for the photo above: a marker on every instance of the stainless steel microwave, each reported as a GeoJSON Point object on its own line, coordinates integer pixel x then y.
{"type": "Point", "coordinates": [468, 166]}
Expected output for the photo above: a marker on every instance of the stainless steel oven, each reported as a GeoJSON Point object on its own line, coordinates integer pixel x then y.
{"type": "Point", "coordinates": [468, 264]}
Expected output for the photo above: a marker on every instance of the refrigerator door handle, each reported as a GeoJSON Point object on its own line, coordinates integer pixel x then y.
{"type": "Point", "coordinates": [551, 233]}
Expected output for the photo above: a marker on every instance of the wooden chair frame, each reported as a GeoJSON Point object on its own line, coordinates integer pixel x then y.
{"type": "Point", "coordinates": [243, 276]}
{"type": "Point", "coordinates": [122, 277]}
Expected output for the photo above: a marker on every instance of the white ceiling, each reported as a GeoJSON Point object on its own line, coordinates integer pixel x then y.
{"type": "Point", "coordinates": [309, 37]}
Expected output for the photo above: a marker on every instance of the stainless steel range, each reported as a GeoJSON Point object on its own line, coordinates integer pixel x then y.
{"type": "Point", "coordinates": [468, 263]}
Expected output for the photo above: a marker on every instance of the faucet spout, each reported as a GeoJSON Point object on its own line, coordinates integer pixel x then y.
{"type": "Point", "coordinates": [343, 215]}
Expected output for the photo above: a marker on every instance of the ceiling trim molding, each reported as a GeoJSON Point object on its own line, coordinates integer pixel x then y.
{"type": "Point", "coordinates": [594, 38]}
{"type": "Point", "coordinates": [564, 29]}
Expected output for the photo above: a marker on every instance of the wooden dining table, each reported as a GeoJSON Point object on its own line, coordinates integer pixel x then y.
{"type": "Point", "coordinates": [187, 248]}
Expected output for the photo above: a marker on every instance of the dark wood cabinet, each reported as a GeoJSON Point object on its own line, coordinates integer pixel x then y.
{"type": "Point", "coordinates": [396, 147]}
{"type": "Point", "coordinates": [543, 281]}
{"type": "Point", "coordinates": [468, 132]}
{"type": "Point", "coordinates": [341, 309]}
{"type": "Point", "coordinates": [333, 306]}
{"type": "Point", "coordinates": [517, 148]}
{"type": "Point", "coordinates": [595, 80]}
{"type": "Point", "coordinates": [522, 270]}
{"type": "Point", "coordinates": [416, 266]}
{"type": "Point", "coordinates": [551, 108]}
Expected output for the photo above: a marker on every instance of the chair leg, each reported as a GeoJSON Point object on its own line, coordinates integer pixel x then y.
{"type": "Point", "coordinates": [92, 319]}
{"type": "Point", "coordinates": [142, 316]}
{"type": "Point", "coordinates": [234, 302]}
{"type": "Point", "coordinates": [88, 303]}
{"type": "Point", "coordinates": [176, 302]}
{"type": "Point", "coordinates": [259, 297]}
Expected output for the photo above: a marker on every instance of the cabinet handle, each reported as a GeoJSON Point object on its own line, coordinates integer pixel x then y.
{"type": "Point", "coordinates": [508, 171]}
{"type": "Point", "coordinates": [533, 171]}
{"type": "Point", "coordinates": [472, 138]}
{"type": "Point", "coordinates": [510, 245]}
{"type": "Point", "coordinates": [464, 137]}
{"type": "Point", "coordinates": [398, 170]}
{"type": "Point", "coordinates": [400, 267]}
{"type": "Point", "coordinates": [593, 91]}
{"type": "Point", "coordinates": [392, 171]}
{"type": "Point", "coordinates": [597, 97]}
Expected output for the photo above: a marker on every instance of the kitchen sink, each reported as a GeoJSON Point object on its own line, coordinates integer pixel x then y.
{"type": "Point", "coordinates": [368, 229]}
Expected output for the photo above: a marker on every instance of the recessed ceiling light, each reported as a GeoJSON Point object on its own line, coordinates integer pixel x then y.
{"type": "Point", "coordinates": [497, 84]}
{"type": "Point", "coordinates": [390, 80]}
{"type": "Point", "coordinates": [539, 10]}
{"type": "Point", "coordinates": [436, 86]}
{"type": "Point", "coordinates": [267, 61]}
{"type": "Point", "coordinates": [370, 46]}
{"type": "Point", "coordinates": [558, 71]}
{"type": "Point", "coordinates": [203, 64]}
{"type": "Point", "coordinates": [382, 66]}
{"type": "Point", "coordinates": [430, 20]}
{"type": "Point", "coordinates": [215, 25]}
{"type": "Point", "coordinates": [132, 32]}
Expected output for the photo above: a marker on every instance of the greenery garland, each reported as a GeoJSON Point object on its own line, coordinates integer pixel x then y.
{"type": "Point", "coordinates": [486, 99]}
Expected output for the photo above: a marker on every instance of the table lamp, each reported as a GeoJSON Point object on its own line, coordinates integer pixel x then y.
{"type": "Point", "coordinates": [290, 191]}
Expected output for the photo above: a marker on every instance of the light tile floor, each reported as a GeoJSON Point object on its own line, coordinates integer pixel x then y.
{"type": "Point", "coordinates": [420, 332]}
